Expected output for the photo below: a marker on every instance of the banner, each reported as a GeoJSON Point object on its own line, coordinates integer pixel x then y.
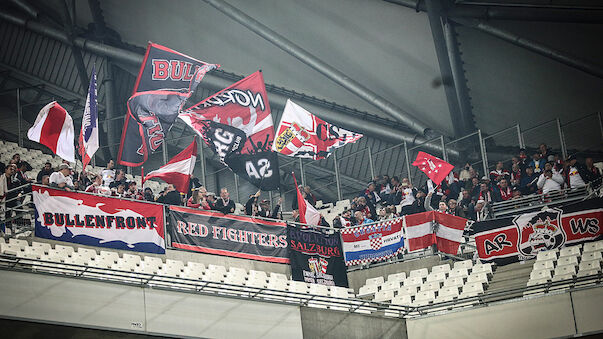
{"type": "Point", "coordinates": [165, 81]}
{"type": "Point", "coordinates": [518, 238]}
{"type": "Point", "coordinates": [229, 235]}
{"type": "Point", "coordinates": [98, 221]}
{"type": "Point", "coordinates": [316, 258]}
{"type": "Point", "coordinates": [434, 228]}
{"type": "Point", "coordinates": [236, 124]}
{"type": "Point", "coordinates": [366, 244]}
{"type": "Point", "coordinates": [302, 134]}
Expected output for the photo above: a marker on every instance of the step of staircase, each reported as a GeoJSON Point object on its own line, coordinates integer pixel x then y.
{"type": "Point", "coordinates": [509, 277]}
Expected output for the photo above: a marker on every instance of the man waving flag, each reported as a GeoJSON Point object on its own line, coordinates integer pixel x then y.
{"type": "Point", "coordinates": [88, 142]}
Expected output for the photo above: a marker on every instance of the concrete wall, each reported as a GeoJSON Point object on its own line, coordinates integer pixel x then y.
{"type": "Point", "coordinates": [544, 317]}
{"type": "Point", "coordinates": [318, 323]}
{"type": "Point", "coordinates": [119, 307]}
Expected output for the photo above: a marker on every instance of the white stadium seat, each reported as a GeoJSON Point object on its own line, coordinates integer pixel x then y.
{"type": "Point", "coordinates": [542, 265]}
{"type": "Point", "coordinates": [472, 289]}
{"type": "Point", "coordinates": [298, 286]}
{"type": "Point", "coordinates": [547, 255]}
{"type": "Point", "coordinates": [391, 285]}
{"type": "Point", "coordinates": [413, 281]}
{"type": "Point", "coordinates": [430, 286]}
{"type": "Point", "coordinates": [439, 276]}
{"type": "Point", "coordinates": [458, 272]}
{"type": "Point", "coordinates": [570, 251]}
{"type": "Point", "coordinates": [419, 273]}
{"type": "Point", "coordinates": [591, 256]}
{"type": "Point", "coordinates": [374, 281]}
{"type": "Point", "coordinates": [440, 268]}
{"type": "Point", "coordinates": [593, 246]}
{"type": "Point", "coordinates": [567, 261]}
{"type": "Point", "coordinates": [540, 274]}
{"type": "Point", "coordinates": [397, 276]}
{"type": "Point", "coordinates": [478, 277]}
{"type": "Point", "coordinates": [456, 281]}
{"type": "Point", "coordinates": [367, 290]}
{"type": "Point", "coordinates": [408, 290]}
{"type": "Point", "coordinates": [45, 247]}
{"type": "Point", "coordinates": [424, 298]}
{"type": "Point", "coordinates": [383, 296]}
{"type": "Point", "coordinates": [482, 268]}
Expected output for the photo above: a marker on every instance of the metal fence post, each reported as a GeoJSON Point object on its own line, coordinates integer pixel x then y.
{"type": "Point", "coordinates": [164, 151]}
{"type": "Point", "coordinates": [444, 154]}
{"type": "Point", "coordinates": [301, 172]}
{"type": "Point", "coordinates": [482, 148]}
{"type": "Point", "coordinates": [561, 139]}
{"type": "Point", "coordinates": [407, 162]}
{"type": "Point", "coordinates": [19, 118]}
{"type": "Point", "coordinates": [600, 124]}
{"type": "Point", "coordinates": [519, 137]}
{"type": "Point", "coordinates": [370, 157]}
{"type": "Point", "coordinates": [337, 176]}
{"type": "Point", "coordinates": [202, 154]}
{"type": "Point", "coordinates": [236, 182]}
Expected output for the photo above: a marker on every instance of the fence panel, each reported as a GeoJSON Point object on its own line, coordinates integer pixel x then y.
{"type": "Point", "coordinates": [465, 150]}
{"type": "Point", "coordinates": [546, 133]}
{"type": "Point", "coordinates": [584, 135]}
{"type": "Point", "coordinates": [502, 146]}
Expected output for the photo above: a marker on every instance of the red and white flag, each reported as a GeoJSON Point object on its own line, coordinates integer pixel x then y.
{"type": "Point", "coordinates": [177, 171]}
{"type": "Point", "coordinates": [54, 128]}
{"type": "Point", "coordinates": [302, 134]}
{"type": "Point", "coordinates": [428, 228]}
{"type": "Point", "coordinates": [449, 232]}
{"type": "Point", "coordinates": [307, 213]}
{"type": "Point", "coordinates": [419, 230]}
{"type": "Point", "coordinates": [435, 168]}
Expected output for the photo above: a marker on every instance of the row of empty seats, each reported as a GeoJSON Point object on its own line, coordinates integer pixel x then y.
{"type": "Point", "coordinates": [565, 264]}
{"type": "Point", "coordinates": [175, 273]}
{"type": "Point", "coordinates": [421, 287]}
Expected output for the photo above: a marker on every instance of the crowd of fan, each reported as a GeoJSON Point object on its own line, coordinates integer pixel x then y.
{"type": "Point", "coordinates": [463, 193]}
{"type": "Point", "coordinates": [112, 182]}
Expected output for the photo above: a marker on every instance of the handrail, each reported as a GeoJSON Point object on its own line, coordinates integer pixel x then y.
{"type": "Point", "coordinates": [37, 266]}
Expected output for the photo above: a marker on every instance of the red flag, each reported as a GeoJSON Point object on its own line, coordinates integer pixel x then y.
{"type": "Point", "coordinates": [307, 213]}
{"type": "Point", "coordinates": [435, 168]}
{"type": "Point", "coordinates": [178, 171]}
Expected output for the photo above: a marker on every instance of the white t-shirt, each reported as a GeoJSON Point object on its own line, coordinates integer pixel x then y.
{"type": "Point", "coordinates": [574, 178]}
{"type": "Point", "coordinates": [408, 197]}
{"type": "Point", "coordinates": [58, 178]}
{"type": "Point", "coordinates": [108, 176]}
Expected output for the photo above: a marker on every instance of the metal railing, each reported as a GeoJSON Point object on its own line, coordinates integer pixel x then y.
{"type": "Point", "coordinates": [262, 294]}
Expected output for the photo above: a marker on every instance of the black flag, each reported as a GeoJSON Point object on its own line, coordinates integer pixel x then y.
{"type": "Point", "coordinates": [260, 169]}
{"type": "Point", "coordinates": [166, 79]}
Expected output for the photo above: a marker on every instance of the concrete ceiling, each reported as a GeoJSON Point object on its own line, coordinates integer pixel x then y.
{"type": "Point", "coordinates": [386, 47]}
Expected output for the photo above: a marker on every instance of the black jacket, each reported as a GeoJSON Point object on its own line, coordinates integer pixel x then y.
{"type": "Point", "coordinates": [229, 207]}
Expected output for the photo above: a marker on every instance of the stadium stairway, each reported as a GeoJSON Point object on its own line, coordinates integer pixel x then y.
{"type": "Point", "coordinates": [509, 277]}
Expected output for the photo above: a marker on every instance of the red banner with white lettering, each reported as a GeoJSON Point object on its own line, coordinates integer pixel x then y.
{"type": "Point", "coordinates": [518, 238]}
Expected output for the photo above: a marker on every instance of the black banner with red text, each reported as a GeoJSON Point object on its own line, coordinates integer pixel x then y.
{"type": "Point", "coordinates": [227, 234]}
{"type": "Point", "coordinates": [316, 257]}
{"type": "Point", "coordinates": [518, 238]}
